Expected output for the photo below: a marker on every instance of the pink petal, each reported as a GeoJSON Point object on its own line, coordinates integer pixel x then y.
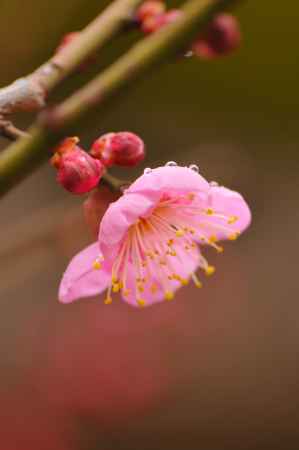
{"type": "Point", "coordinates": [140, 199]}
{"type": "Point", "coordinates": [118, 218]}
{"type": "Point", "coordinates": [170, 179]}
{"type": "Point", "coordinates": [229, 203]}
{"type": "Point", "coordinates": [81, 279]}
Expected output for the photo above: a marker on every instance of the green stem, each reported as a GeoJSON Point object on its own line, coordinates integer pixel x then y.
{"type": "Point", "coordinates": [29, 93]}
{"type": "Point", "coordinates": [22, 157]}
{"type": "Point", "coordinates": [107, 25]}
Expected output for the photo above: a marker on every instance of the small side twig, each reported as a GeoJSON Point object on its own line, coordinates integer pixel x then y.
{"type": "Point", "coordinates": [8, 130]}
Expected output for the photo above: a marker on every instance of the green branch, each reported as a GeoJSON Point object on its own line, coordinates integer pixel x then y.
{"type": "Point", "coordinates": [22, 157]}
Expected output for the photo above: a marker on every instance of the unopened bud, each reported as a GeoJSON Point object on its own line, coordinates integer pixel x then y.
{"type": "Point", "coordinates": [154, 23]}
{"type": "Point", "coordinates": [122, 149]}
{"type": "Point", "coordinates": [150, 8]}
{"type": "Point", "coordinates": [222, 37]}
{"type": "Point", "coordinates": [78, 172]}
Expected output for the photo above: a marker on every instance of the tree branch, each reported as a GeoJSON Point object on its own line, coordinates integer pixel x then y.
{"type": "Point", "coordinates": [29, 93]}
{"type": "Point", "coordinates": [22, 157]}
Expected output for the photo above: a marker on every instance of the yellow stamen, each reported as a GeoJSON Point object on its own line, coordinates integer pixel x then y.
{"type": "Point", "coordinates": [213, 238]}
{"type": "Point", "coordinates": [116, 287]}
{"type": "Point", "coordinates": [169, 295]}
{"type": "Point", "coordinates": [108, 300]}
{"type": "Point", "coordinates": [179, 233]}
{"type": "Point", "coordinates": [141, 302]}
{"type": "Point", "coordinates": [209, 211]}
{"type": "Point", "coordinates": [97, 265]}
{"type": "Point", "coordinates": [232, 219]}
{"type": "Point", "coordinates": [196, 281]}
{"type": "Point", "coordinates": [210, 270]}
{"type": "Point", "coordinates": [233, 236]}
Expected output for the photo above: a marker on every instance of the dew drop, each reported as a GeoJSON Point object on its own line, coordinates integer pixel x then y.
{"type": "Point", "coordinates": [189, 54]}
{"type": "Point", "coordinates": [171, 164]}
{"type": "Point", "coordinates": [147, 171]}
{"type": "Point", "coordinates": [194, 167]}
{"type": "Point", "coordinates": [214, 184]}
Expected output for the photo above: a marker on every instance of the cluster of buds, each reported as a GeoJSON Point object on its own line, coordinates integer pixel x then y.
{"type": "Point", "coordinates": [221, 37]}
{"type": "Point", "coordinates": [79, 171]}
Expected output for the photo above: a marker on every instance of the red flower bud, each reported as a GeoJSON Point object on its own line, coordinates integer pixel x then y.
{"type": "Point", "coordinates": [154, 23]}
{"type": "Point", "coordinates": [150, 8]}
{"type": "Point", "coordinates": [221, 38]}
{"type": "Point", "coordinates": [122, 149]}
{"type": "Point", "coordinates": [78, 172]}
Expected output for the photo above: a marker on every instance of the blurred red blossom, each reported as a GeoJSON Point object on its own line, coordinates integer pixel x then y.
{"type": "Point", "coordinates": [222, 37]}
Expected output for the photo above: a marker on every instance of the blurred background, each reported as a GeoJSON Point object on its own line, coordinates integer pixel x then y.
{"type": "Point", "coordinates": [216, 369]}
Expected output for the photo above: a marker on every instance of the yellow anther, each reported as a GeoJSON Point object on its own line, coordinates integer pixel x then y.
{"type": "Point", "coordinates": [210, 270]}
{"type": "Point", "coordinates": [170, 242]}
{"type": "Point", "coordinates": [213, 238]}
{"type": "Point", "coordinates": [126, 292]}
{"type": "Point", "coordinates": [169, 295]}
{"type": "Point", "coordinates": [232, 219]}
{"type": "Point", "coordinates": [97, 265]}
{"type": "Point", "coordinates": [219, 249]}
{"type": "Point", "coordinates": [141, 302]}
{"type": "Point", "coordinates": [191, 196]}
{"type": "Point", "coordinates": [209, 211]}
{"type": "Point", "coordinates": [114, 279]}
{"type": "Point", "coordinates": [233, 236]}
{"type": "Point", "coordinates": [179, 233]}
{"type": "Point", "coordinates": [140, 288]}
{"type": "Point", "coordinates": [154, 288]}
{"type": "Point", "coordinates": [108, 300]}
{"type": "Point", "coordinates": [184, 281]}
{"type": "Point", "coordinates": [196, 281]}
{"type": "Point", "coordinates": [115, 287]}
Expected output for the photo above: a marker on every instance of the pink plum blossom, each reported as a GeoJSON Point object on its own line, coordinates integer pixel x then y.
{"type": "Point", "coordinates": [150, 239]}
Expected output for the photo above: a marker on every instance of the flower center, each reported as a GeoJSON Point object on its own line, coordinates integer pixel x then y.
{"type": "Point", "coordinates": [160, 253]}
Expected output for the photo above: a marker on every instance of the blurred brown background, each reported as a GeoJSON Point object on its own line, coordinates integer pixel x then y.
{"type": "Point", "coordinates": [216, 369]}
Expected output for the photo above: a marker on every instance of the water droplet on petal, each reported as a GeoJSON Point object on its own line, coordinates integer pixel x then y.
{"type": "Point", "coordinates": [194, 167]}
{"type": "Point", "coordinates": [214, 184]}
{"type": "Point", "coordinates": [189, 54]}
{"type": "Point", "coordinates": [171, 164]}
{"type": "Point", "coordinates": [147, 171]}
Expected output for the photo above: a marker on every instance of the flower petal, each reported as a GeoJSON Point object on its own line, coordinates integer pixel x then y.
{"type": "Point", "coordinates": [81, 279]}
{"type": "Point", "coordinates": [118, 218]}
{"type": "Point", "coordinates": [232, 204]}
{"type": "Point", "coordinates": [141, 198]}
{"type": "Point", "coordinates": [174, 179]}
